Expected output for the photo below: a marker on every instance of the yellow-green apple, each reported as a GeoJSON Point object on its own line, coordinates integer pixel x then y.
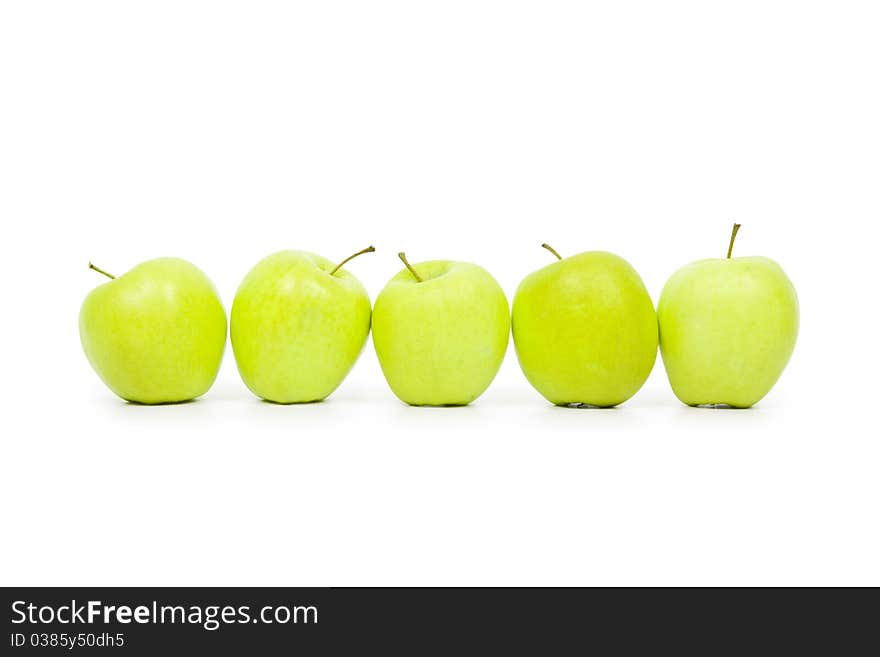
{"type": "Point", "coordinates": [440, 329]}
{"type": "Point", "coordinates": [585, 330]}
{"type": "Point", "coordinates": [298, 324]}
{"type": "Point", "coordinates": [157, 333]}
{"type": "Point", "coordinates": [728, 327]}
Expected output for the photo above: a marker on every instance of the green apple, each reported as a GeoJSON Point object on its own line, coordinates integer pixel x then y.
{"type": "Point", "coordinates": [440, 329]}
{"type": "Point", "coordinates": [585, 330]}
{"type": "Point", "coordinates": [157, 333]}
{"type": "Point", "coordinates": [298, 324]}
{"type": "Point", "coordinates": [727, 329]}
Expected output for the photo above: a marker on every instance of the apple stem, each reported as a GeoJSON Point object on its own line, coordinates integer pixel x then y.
{"type": "Point", "coordinates": [369, 249]}
{"type": "Point", "coordinates": [732, 240]}
{"type": "Point", "coordinates": [101, 271]}
{"type": "Point", "coordinates": [551, 250]}
{"type": "Point", "coordinates": [412, 271]}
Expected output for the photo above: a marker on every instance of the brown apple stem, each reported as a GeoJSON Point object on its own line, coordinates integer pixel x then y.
{"type": "Point", "coordinates": [732, 240]}
{"type": "Point", "coordinates": [412, 271]}
{"type": "Point", "coordinates": [369, 249]}
{"type": "Point", "coordinates": [101, 271]}
{"type": "Point", "coordinates": [551, 250]}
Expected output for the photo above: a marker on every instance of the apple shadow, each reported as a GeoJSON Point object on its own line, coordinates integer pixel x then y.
{"type": "Point", "coordinates": [301, 403]}
{"type": "Point", "coordinates": [578, 406]}
{"type": "Point", "coordinates": [185, 402]}
{"type": "Point", "coordinates": [720, 407]}
{"type": "Point", "coordinates": [437, 405]}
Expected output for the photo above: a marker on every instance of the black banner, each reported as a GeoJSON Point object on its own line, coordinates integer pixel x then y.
{"type": "Point", "coordinates": [412, 621]}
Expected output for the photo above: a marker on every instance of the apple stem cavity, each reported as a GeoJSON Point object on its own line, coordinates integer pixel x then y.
{"type": "Point", "coordinates": [369, 249]}
{"type": "Point", "coordinates": [736, 228]}
{"type": "Point", "coordinates": [101, 271]}
{"type": "Point", "coordinates": [412, 271]}
{"type": "Point", "coordinates": [551, 250]}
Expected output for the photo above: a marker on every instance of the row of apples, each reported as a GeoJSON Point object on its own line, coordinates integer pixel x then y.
{"type": "Point", "coordinates": [584, 327]}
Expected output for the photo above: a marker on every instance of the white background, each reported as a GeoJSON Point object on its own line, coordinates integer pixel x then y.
{"type": "Point", "coordinates": [221, 132]}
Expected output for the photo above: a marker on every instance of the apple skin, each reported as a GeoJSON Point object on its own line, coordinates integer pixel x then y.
{"type": "Point", "coordinates": [156, 334]}
{"type": "Point", "coordinates": [585, 330]}
{"type": "Point", "coordinates": [296, 330]}
{"type": "Point", "coordinates": [441, 341]}
{"type": "Point", "coordinates": [727, 330]}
